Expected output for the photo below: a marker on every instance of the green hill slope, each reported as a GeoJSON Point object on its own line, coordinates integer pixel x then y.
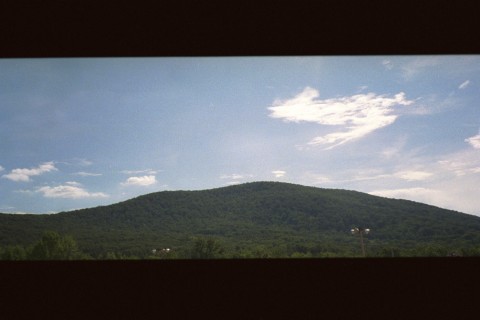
{"type": "Point", "coordinates": [279, 216]}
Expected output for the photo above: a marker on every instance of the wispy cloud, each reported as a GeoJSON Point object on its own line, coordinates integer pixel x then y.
{"type": "Point", "coordinates": [86, 174]}
{"type": "Point", "coordinates": [362, 88]}
{"type": "Point", "coordinates": [24, 191]}
{"type": "Point", "coordinates": [408, 175]}
{"type": "Point", "coordinates": [416, 66]}
{"type": "Point", "coordinates": [395, 149]}
{"type": "Point", "coordinates": [359, 114]}
{"type": "Point", "coordinates": [1, 168]}
{"type": "Point", "coordinates": [434, 104]}
{"type": "Point", "coordinates": [83, 162]}
{"type": "Point", "coordinates": [425, 195]}
{"type": "Point", "coordinates": [279, 173]}
{"type": "Point", "coordinates": [461, 163]}
{"type": "Point", "coordinates": [25, 174]}
{"type": "Point", "coordinates": [448, 181]}
{"type": "Point", "coordinates": [146, 171]}
{"type": "Point", "coordinates": [7, 209]}
{"type": "Point", "coordinates": [312, 178]}
{"type": "Point", "coordinates": [464, 84]}
{"type": "Point", "coordinates": [71, 190]}
{"type": "Point", "coordinates": [387, 64]}
{"type": "Point", "coordinates": [474, 141]}
{"type": "Point", "coordinates": [232, 182]}
{"type": "Point", "coordinates": [412, 175]}
{"type": "Point", "coordinates": [77, 162]}
{"type": "Point", "coordinates": [445, 195]}
{"type": "Point", "coordinates": [234, 176]}
{"type": "Point", "coordinates": [10, 210]}
{"type": "Point", "coordinates": [140, 181]}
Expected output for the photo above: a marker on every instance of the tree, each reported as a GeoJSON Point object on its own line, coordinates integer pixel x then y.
{"type": "Point", "coordinates": [14, 253]}
{"type": "Point", "coordinates": [206, 248]}
{"type": "Point", "coordinates": [53, 246]}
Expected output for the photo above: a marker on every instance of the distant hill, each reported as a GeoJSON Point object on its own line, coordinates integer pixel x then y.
{"type": "Point", "coordinates": [274, 215]}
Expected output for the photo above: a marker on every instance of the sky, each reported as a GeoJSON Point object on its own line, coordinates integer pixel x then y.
{"type": "Point", "coordinates": [84, 132]}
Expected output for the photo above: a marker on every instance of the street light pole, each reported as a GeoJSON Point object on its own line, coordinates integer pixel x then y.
{"type": "Point", "coordinates": [363, 244]}
{"type": "Point", "coordinates": [361, 232]}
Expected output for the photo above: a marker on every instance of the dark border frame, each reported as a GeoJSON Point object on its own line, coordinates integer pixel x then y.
{"type": "Point", "coordinates": [258, 289]}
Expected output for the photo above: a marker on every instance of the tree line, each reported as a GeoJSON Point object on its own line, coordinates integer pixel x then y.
{"type": "Point", "coordinates": [54, 246]}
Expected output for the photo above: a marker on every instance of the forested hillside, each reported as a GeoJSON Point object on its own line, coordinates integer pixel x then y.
{"type": "Point", "coordinates": [259, 219]}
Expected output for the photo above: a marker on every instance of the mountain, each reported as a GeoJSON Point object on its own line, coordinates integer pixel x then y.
{"type": "Point", "coordinates": [252, 216]}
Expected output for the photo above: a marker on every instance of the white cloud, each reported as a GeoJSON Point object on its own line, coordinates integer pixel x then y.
{"type": "Point", "coordinates": [359, 114]}
{"type": "Point", "coordinates": [464, 84]}
{"type": "Point", "coordinates": [1, 168]}
{"type": "Point", "coordinates": [474, 141]}
{"type": "Point", "coordinates": [140, 181]}
{"type": "Point", "coordinates": [73, 183]}
{"type": "Point", "coordinates": [86, 174]}
{"type": "Point", "coordinates": [279, 173]}
{"type": "Point", "coordinates": [69, 192]}
{"type": "Point", "coordinates": [25, 174]}
{"type": "Point", "coordinates": [235, 177]}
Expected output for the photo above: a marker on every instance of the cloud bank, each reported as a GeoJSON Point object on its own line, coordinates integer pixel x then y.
{"type": "Point", "coordinates": [25, 174]}
{"type": "Point", "coordinates": [358, 115]}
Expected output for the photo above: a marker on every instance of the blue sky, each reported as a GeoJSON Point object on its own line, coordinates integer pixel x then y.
{"type": "Point", "coordinates": [78, 133]}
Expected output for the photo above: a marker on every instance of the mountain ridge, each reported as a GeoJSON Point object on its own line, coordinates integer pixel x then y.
{"type": "Point", "coordinates": [268, 214]}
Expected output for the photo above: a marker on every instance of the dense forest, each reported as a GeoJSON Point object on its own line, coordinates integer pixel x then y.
{"type": "Point", "coordinates": [252, 220]}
